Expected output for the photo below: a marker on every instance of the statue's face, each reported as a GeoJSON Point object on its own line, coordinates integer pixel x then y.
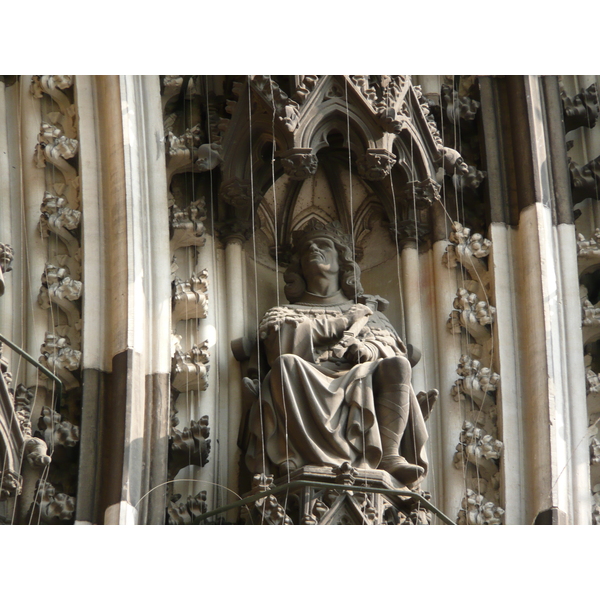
{"type": "Point", "coordinates": [319, 254]}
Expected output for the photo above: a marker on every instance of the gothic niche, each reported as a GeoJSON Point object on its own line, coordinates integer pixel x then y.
{"type": "Point", "coordinates": [328, 395]}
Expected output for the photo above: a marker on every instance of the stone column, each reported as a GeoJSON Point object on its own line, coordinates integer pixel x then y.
{"type": "Point", "coordinates": [553, 374]}
{"type": "Point", "coordinates": [449, 351]}
{"type": "Point", "coordinates": [234, 267]}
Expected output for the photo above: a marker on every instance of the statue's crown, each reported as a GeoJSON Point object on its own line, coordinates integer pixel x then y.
{"type": "Point", "coordinates": [316, 228]}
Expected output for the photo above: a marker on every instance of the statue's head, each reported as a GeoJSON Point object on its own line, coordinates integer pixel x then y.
{"type": "Point", "coordinates": [330, 238]}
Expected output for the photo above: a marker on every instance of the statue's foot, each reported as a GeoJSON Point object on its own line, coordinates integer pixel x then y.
{"type": "Point", "coordinates": [401, 469]}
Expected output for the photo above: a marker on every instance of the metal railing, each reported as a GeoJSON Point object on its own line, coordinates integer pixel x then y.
{"type": "Point", "coordinates": [39, 366]}
{"type": "Point", "coordinates": [330, 486]}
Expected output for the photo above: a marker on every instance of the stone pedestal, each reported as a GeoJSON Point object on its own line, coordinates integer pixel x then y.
{"type": "Point", "coordinates": [316, 505]}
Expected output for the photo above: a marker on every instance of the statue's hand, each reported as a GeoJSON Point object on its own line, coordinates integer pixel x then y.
{"type": "Point", "coordinates": [357, 352]}
{"type": "Point", "coordinates": [356, 312]}
{"type": "Point", "coordinates": [276, 317]}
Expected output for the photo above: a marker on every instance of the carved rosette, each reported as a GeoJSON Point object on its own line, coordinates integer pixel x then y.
{"type": "Point", "coordinates": [475, 510]}
{"type": "Point", "coordinates": [190, 297]}
{"type": "Point", "coordinates": [190, 369]}
{"type": "Point", "coordinates": [376, 164]}
{"type": "Point", "coordinates": [51, 506]}
{"type": "Point", "coordinates": [299, 163]}
{"type": "Point", "coordinates": [422, 194]}
{"type": "Point", "coordinates": [190, 446]}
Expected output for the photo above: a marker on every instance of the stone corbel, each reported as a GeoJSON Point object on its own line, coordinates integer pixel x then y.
{"type": "Point", "coordinates": [475, 510]}
{"type": "Point", "coordinates": [190, 369]}
{"type": "Point", "coordinates": [422, 193]}
{"type": "Point", "coordinates": [58, 287]}
{"type": "Point", "coordinates": [184, 513]}
{"type": "Point", "coordinates": [468, 250]}
{"type": "Point", "coordinates": [299, 163]}
{"type": "Point", "coordinates": [474, 315]}
{"type": "Point", "coordinates": [595, 451]}
{"type": "Point", "coordinates": [473, 178]}
{"type": "Point", "coordinates": [52, 507]}
{"type": "Point", "coordinates": [286, 110]}
{"type": "Point", "coordinates": [458, 107]}
{"type": "Point", "coordinates": [596, 505]}
{"type": "Point", "coordinates": [479, 449]}
{"type": "Point", "coordinates": [478, 382]}
{"type": "Point", "coordinates": [61, 358]}
{"type": "Point", "coordinates": [59, 218]}
{"type": "Point", "coordinates": [581, 110]}
{"type": "Point", "coordinates": [56, 430]}
{"type": "Point", "coordinates": [590, 318]}
{"type": "Point", "coordinates": [189, 447]}
{"type": "Point", "coordinates": [585, 181]}
{"type": "Point", "coordinates": [187, 150]}
{"type": "Point", "coordinates": [187, 227]}
{"type": "Point", "coordinates": [56, 148]}
{"type": "Point", "coordinates": [52, 85]}
{"type": "Point", "coordinates": [591, 379]}
{"type": "Point", "coordinates": [6, 258]}
{"type": "Point", "coordinates": [376, 164]}
{"type": "Point", "coordinates": [190, 297]}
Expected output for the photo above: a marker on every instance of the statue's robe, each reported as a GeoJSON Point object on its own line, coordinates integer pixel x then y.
{"type": "Point", "coordinates": [314, 407]}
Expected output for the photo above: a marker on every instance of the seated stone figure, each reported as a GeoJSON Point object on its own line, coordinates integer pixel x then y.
{"type": "Point", "coordinates": [339, 389]}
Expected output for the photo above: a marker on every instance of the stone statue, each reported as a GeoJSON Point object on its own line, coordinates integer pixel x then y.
{"type": "Point", "coordinates": [339, 389]}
